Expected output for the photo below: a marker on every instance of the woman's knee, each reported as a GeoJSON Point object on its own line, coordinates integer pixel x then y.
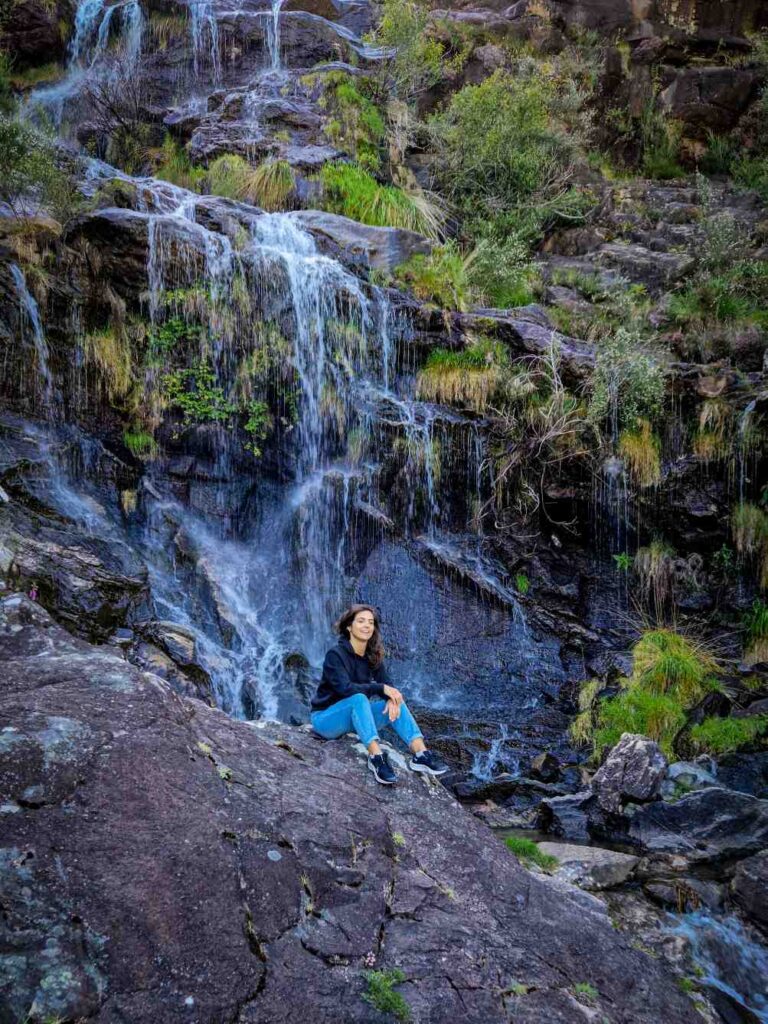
{"type": "Point", "coordinates": [359, 700]}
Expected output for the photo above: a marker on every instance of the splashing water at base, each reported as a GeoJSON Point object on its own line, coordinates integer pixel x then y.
{"type": "Point", "coordinates": [732, 960]}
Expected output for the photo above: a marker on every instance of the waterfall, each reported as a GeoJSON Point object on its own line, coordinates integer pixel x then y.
{"type": "Point", "coordinates": [205, 37]}
{"type": "Point", "coordinates": [273, 34]}
{"type": "Point", "coordinates": [730, 958]}
{"type": "Point", "coordinates": [93, 23]}
{"type": "Point", "coordinates": [31, 316]}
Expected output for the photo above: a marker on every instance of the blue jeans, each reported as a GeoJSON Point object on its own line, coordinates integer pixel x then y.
{"type": "Point", "coordinates": [365, 717]}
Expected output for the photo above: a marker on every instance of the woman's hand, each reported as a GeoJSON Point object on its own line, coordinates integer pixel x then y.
{"type": "Point", "coordinates": [393, 710]}
{"type": "Point", "coordinates": [394, 695]}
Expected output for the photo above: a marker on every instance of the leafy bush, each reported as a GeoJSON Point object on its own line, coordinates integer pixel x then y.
{"type": "Point", "coordinates": [31, 172]}
{"type": "Point", "coordinates": [501, 272]}
{"type": "Point", "coordinates": [628, 383]}
{"type": "Point", "coordinates": [440, 277]}
{"type": "Point", "coordinates": [416, 60]}
{"type": "Point", "coordinates": [529, 853]}
{"type": "Point", "coordinates": [356, 123]}
{"type": "Point", "coordinates": [381, 993]}
{"type": "Point", "coordinates": [497, 146]}
{"type": "Point", "coordinates": [351, 191]}
{"type": "Point", "coordinates": [195, 392]}
{"type": "Point", "coordinates": [724, 735]}
{"type": "Point", "coordinates": [257, 426]}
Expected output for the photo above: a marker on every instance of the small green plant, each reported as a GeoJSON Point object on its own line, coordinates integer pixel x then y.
{"type": "Point", "coordinates": [628, 383]}
{"type": "Point", "coordinates": [640, 449]}
{"type": "Point", "coordinates": [225, 773]}
{"type": "Point", "coordinates": [522, 583]}
{"type": "Point", "coordinates": [470, 377]}
{"type": "Point", "coordinates": [269, 185]}
{"type": "Point", "coordinates": [529, 853]}
{"type": "Point", "coordinates": [196, 393]}
{"type": "Point", "coordinates": [139, 443]}
{"type": "Point", "coordinates": [257, 426]}
{"type": "Point", "coordinates": [724, 735]}
{"type": "Point", "coordinates": [350, 190]}
{"type": "Point", "coordinates": [440, 278]}
{"type": "Point", "coordinates": [398, 839]}
{"type": "Point", "coordinates": [174, 165]}
{"type": "Point", "coordinates": [381, 994]}
{"type": "Point", "coordinates": [516, 988]}
{"type": "Point", "coordinates": [665, 661]}
{"type": "Point", "coordinates": [623, 562]}
{"type": "Point", "coordinates": [586, 993]}
{"type": "Point", "coordinates": [657, 716]}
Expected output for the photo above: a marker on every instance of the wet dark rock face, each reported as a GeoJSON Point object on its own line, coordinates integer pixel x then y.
{"type": "Point", "coordinates": [242, 873]}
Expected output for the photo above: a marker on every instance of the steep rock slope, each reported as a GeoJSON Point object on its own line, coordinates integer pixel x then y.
{"type": "Point", "coordinates": [188, 867]}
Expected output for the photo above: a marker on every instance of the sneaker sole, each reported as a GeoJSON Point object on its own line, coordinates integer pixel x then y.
{"type": "Point", "coordinates": [425, 770]}
{"type": "Point", "coordinates": [382, 782]}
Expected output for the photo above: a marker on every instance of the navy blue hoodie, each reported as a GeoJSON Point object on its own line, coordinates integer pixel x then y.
{"type": "Point", "coordinates": [346, 673]}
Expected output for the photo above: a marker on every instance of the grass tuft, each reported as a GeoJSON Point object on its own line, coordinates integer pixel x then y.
{"type": "Point", "coordinates": [529, 853]}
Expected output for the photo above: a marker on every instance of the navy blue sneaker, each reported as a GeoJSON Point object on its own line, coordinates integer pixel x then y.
{"type": "Point", "coordinates": [428, 763]}
{"type": "Point", "coordinates": [382, 769]}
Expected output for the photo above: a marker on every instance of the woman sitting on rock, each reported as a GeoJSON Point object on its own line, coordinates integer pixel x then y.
{"type": "Point", "coordinates": [355, 695]}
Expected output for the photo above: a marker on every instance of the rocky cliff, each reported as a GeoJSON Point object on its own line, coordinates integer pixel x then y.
{"type": "Point", "coordinates": [161, 861]}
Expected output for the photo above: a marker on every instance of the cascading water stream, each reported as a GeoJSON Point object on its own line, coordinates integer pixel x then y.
{"type": "Point", "coordinates": [205, 37]}
{"type": "Point", "coordinates": [31, 315]}
{"type": "Point", "coordinates": [273, 34]}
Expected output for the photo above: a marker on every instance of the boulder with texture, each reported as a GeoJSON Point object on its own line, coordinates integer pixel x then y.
{"type": "Point", "coordinates": [749, 888]}
{"type": "Point", "coordinates": [634, 770]}
{"type": "Point", "coordinates": [382, 248]}
{"type": "Point", "coordinates": [709, 825]}
{"type": "Point", "coordinates": [163, 862]}
{"type": "Point", "coordinates": [590, 867]}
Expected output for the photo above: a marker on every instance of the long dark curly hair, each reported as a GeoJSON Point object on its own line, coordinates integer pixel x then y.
{"type": "Point", "coordinates": [374, 649]}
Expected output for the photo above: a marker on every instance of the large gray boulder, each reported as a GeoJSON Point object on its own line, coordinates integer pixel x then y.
{"type": "Point", "coordinates": [590, 867]}
{"type": "Point", "coordinates": [163, 862]}
{"type": "Point", "coordinates": [709, 825]}
{"type": "Point", "coordinates": [633, 771]}
{"type": "Point", "coordinates": [750, 888]}
{"type": "Point", "coordinates": [381, 248]}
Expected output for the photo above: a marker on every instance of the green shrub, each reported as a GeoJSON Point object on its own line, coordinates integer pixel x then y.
{"type": "Point", "coordinates": [139, 443]}
{"type": "Point", "coordinates": [469, 377]}
{"type": "Point", "coordinates": [528, 853]}
{"type": "Point", "coordinates": [501, 272]}
{"type": "Point", "coordinates": [257, 425]}
{"type": "Point", "coordinates": [416, 60]}
{"type": "Point", "coordinates": [640, 449]}
{"type": "Point", "coordinates": [174, 165]}
{"type": "Point", "coordinates": [724, 735]}
{"type": "Point", "coordinates": [195, 392]}
{"type": "Point", "coordinates": [356, 124]}
{"type": "Point", "coordinates": [665, 662]}
{"type": "Point", "coordinates": [657, 716]}
{"type": "Point", "coordinates": [31, 172]}
{"type": "Point", "coordinates": [497, 147]}
{"type": "Point", "coordinates": [167, 336]}
{"type": "Point", "coordinates": [440, 277]}
{"type": "Point", "coordinates": [628, 384]}
{"type": "Point", "coordinates": [381, 993]}
{"type": "Point", "coordinates": [586, 993]}
{"type": "Point", "coordinates": [351, 191]}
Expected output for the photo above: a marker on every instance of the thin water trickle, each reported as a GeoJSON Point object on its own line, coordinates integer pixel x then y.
{"type": "Point", "coordinates": [273, 34]}
{"type": "Point", "coordinates": [31, 319]}
{"type": "Point", "coordinates": [731, 959]}
{"type": "Point", "coordinates": [205, 37]}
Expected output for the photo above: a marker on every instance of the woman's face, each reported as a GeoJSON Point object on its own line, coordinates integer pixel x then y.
{"type": "Point", "coordinates": [362, 626]}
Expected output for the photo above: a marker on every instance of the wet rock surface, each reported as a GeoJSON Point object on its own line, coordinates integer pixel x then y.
{"type": "Point", "coordinates": [289, 870]}
{"type": "Point", "coordinates": [590, 867]}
